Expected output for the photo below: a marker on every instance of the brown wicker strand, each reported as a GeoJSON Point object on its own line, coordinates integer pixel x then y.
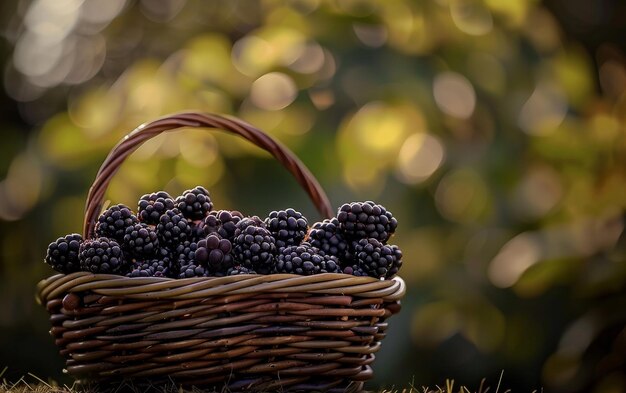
{"type": "Point", "coordinates": [189, 288]}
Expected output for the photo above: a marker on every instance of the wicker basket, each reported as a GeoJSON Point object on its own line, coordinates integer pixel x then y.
{"type": "Point", "coordinates": [246, 332]}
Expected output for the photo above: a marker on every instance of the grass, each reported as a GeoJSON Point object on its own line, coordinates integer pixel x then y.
{"type": "Point", "coordinates": [32, 384]}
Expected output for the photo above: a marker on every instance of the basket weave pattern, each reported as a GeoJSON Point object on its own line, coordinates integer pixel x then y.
{"type": "Point", "coordinates": [279, 331]}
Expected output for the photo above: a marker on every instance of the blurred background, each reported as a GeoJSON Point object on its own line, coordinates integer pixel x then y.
{"type": "Point", "coordinates": [494, 130]}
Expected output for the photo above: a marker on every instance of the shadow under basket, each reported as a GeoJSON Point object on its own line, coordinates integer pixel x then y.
{"type": "Point", "coordinates": [244, 332]}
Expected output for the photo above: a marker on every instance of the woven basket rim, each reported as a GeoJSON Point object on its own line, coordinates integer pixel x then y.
{"type": "Point", "coordinates": [159, 288]}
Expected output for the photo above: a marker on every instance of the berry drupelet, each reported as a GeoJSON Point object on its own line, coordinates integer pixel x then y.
{"type": "Point", "coordinates": [287, 226]}
{"type": "Point", "coordinates": [173, 229]}
{"type": "Point", "coordinates": [374, 257]}
{"type": "Point", "coordinates": [222, 222]}
{"type": "Point", "coordinates": [152, 206]}
{"type": "Point", "coordinates": [62, 254]}
{"type": "Point", "coordinates": [305, 260]}
{"type": "Point", "coordinates": [362, 220]}
{"type": "Point", "coordinates": [102, 256]}
{"type": "Point", "coordinates": [254, 247]}
{"type": "Point", "coordinates": [140, 241]}
{"type": "Point", "coordinates": [214, 252]}
{"type": "Point", "coordinates": [327, 236]}
{"type": "Point", "coordinates": [114, 221]}
{"type": "Point", "coordinates": [195, 204]}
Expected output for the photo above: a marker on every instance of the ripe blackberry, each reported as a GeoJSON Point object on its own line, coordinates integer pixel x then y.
{"type": "Point", "coordinates": [254, 247]}
{"type": "Point", "coordinates": [62, 254]}
{"type": "Point", "coordinates": [195, 203]}
{"type": "Point", "coordinates": [152, 206]}
{"type": "Point", "coordinates": [362, 220]}
{"type": "Point", "coordinates": [397, 263]}
{"type": "Point", "coordinates": [374, 257]}
{"type": "Point", "coordinates": [102, 256]}
{"type": "Point", "coordinates": [140, 241]}
{"type": "Point", "coordinates": [287, 226]}
{"type": "Point", "coordinates": [150, 268]}
{"type": "Point", "coordinates": [215, 253]}
{"type": "Point", "coordinates": [114, 221]}
{"type": "Point", "coordinates": [173, 228]}
{"type": "Point", "coordinates": [222, 222]}
{"type": "Point", "coordinates": [306, 260]}
{"type": "Point", "coordinates": [354, 270]}
{"type": "Point", "coordinates": [327, 236]}
{"type": "Point", "coordinates": [237, 270]}
{"type": "Point", "coordinates": [184, 253]}
{"type": "Point", "coordinates": [192, 269]}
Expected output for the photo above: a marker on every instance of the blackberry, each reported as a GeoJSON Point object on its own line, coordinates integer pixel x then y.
{"type": "Point", "coordinates": [62, 254]}
{"type": "Point", "coordinates": [354, 270]}
{"type": "Point", "coordinates": [306, 260]}
{"type": "Point", "coordinates": [397, 262]}
{"type": "Point", "coordinates": [102, 256]}
{"type": "Point", "coordinates": [195, 203]}
{"type": "Point", "coordinates": [222, 222]}
{"type": "Point", "coordinates": [192, 269]}
{"type": "Point", "coordinates": [152, 206]}
{"type": "Point", "coordinates": [150, 268]}
{"type": "Point", "coordinates": [237, 270]}
{"type": "Point", "coordinates": [114, 221]}
{"type": "Point", "coordinates": [287, 226]}
{"type": "Point", "coordinates": [254, 247]}
{"type": "Point", "coordinates": [214, 252]}
{"type": "Point", "coordinates": [327, 236]}
{"type": "Point", "coordinates": [362, 220]}
{"type": "Point", "coordinates": [374, 257]}
{"type": "Point", "coordinates": [173, 228]}
{"type": "Point", "coordinates": [140, 241]}
{"type": "Point", "coordinates": [184, 253]}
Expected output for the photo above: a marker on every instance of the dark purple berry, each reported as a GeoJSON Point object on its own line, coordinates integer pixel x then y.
{"type": "Point", "coordinates": [195, 204]}
{"type": "Point", "coordinates": [287, 226]}
{"type": "Point", "coordinates": [254, 247]}
{"type": "Point", "coordinates": [363, 220]}
{"type": "Point", "coordinates": [327, 236]}
{"type": "Point", "coordinates": [153, 206]}
{"type": "Point", "coordinates": [62, 254]}
{"type": "Point", "coordinates": [306, 260]}
{"type": "Point", "coordinates": [222, 222]}
{"type": "Point", "coordinates": [114, 221]}
{"type": "Point", "coordinates": [173, 229]}
{"type": "Point", "coordinates": [141, 241]}
{"type": "Point", "coordinates": [102, 256]}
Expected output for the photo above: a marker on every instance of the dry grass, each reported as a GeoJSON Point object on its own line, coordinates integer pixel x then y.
{"type": "Point", "coordinates": [33, 384]}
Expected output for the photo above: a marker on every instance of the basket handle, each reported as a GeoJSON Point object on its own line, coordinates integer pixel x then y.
{"type": "Point", "coordinates": [132, 141]}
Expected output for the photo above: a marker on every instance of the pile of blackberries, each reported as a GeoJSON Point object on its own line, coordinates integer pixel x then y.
{"type": "Point", "coordinates": [184, 237]}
